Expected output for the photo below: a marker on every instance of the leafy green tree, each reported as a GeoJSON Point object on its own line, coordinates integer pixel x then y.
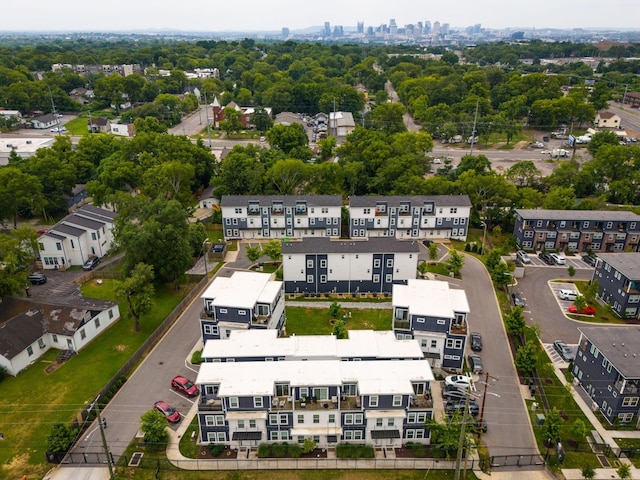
{"type": "Point", "coordinates": [138, 290]}
{"type": "Point", "coordinates": [334, 309]}
{"type": "Point", "coordinates": [602, 138]}
{"type": "Point", "coordinates": [455, 262]}
{"type": "Point", "coordinates": [16, 254]}
{"type": "Point", "coordinates": [327, 147]}
{"type": "Point", "coordinates": [288, 175]}
{"type": "Point", "coordinates": [514, 321]}
{"type": "Point", "coordinates": [273, 250]}
{"type": "Point", "coordinates": [253, 253]}
{"type": "Point", "coordinates": [339, 329]}
{"type": "Point", "coordinates": [241, 173]}
{"type": "Point", "coordinates": [62, 437]}
{"type": "Point", "coordinates": [551, 426]}
{"type": "Point", "coordinates": [571, 271]}
{"type": "Point", "coordinates": [579, 430]}
{"type": "Point", "coordinates": [592, 290]}
{"type": "Point", "coordinates": [500, 275]}
{"type": "Point", "coordinates": [309, 445]}
{"type": "Point", "coordinates": [523, 173]}
{"type": "Point", "coordinates": [433, 252]}
{"type": "Point", "coordinates": [526, 357]}
{"type": "Point", "coordinates": [559, 198]}
{"type": "Point", "coordinates": [580, 303]}
{"type": "Point", "coordinates": [287, 137]}
{"type": "Point", "coordinates": [261, 119]}
{"type": "Point", "coordinates": [231, 123]}
{"type": "Point", "coordinates": [423, 268]}
{"type": "Point", "coordinates": [154, 426]}
{"type": "Point", "coordinates": [445, 436]}
{"type": "Point", "coordinates": [18, 191]}
{"type": "Point", "coordinates": [197, 236]}
{"type": "Point", "coordinates": [388, 118]}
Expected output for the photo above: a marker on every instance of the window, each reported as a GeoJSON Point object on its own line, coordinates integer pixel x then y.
{"type": "Point", "coordinates": [323, 279]}
{"type": "Point", "coordinates": [242, 312]}
{"type": "Point", "coordinates": [434, 343]}
{"type": "Point", "coordinates": [233, 402]}
{"type": "Point", "coordinates": [332, 418]}
{"type": "Point", "coordinates": [83, 334]}
{"type": "Point", "coordinates": [240, 423]}
{"type": "Point", "coordinates": [373, 401]}
{"type": "Point", "coordinates": [376, 278]}
{"type": "Point", "coordinates": [420, 319]}
{"type": "Point", "coordinates": [397, 400]}
{"type": "Point", "coordinates": [379, 422]}
{"type": "Point", "coordinates": [376, 263]}
{"type": "Point", "coordinates": [316, 418]}
{"type": "Point", "coordinates": [388, 278]}
{"type": "Point", "coordinates": [625, 417]}
{"type": "Point", "coordinates": [453, 210]}
{"type": "Point", "coordinates": [323, 263]}
{"type": "Point", "coordinates": [309, 278]}
{"type": "Point", "coordinates": [455, 343]}
{"type": "Point", "coordinates": [630, 402]}
{"type": "Point", "coordinates": [97, 322]}
{"type": "Point", "coordinates": [389, 262]}
{"type": "Point", "coordinates": [30, 350]}
{"type": "Point", "coordinates": [257, 402]}
{"type": "Point", "coordinates": [223, 310]}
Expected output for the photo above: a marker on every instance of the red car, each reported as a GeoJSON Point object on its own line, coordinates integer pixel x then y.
{"type": "Point", "coordinates": [173, 416]}
{"type": "Point", "coordinates": [184, 385]}
{"type": "Point", "coordinates": [588, 310]}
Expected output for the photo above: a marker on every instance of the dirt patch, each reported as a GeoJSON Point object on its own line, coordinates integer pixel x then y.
{"type": "Point", "coordinates": [52, 367]}
{"type": "Point", "coordinates": [227, 453]}
{"type": "Point", "coordinates": [422, 451]}
{"type": "Point", "coordinates": [121, 348]}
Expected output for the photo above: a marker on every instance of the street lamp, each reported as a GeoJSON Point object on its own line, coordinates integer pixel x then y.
{"type": "Point", "coordinates": [204, 254]}
{"type": "Point", "coordinates": [484, 234]}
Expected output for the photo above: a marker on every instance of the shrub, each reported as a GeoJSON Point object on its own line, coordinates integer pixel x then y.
{"type": "Point", "coordinates": [309, 445]}
{"type": "Point", "coordinates": [216, 449]}
{"type": "Point", "coordinates": [279, 450]}
{"type": "Point", "coordinates": [295, 451]}
{"type": "Point", "coordinates": [263, 450]}
{"type": "Point", "coordinates": [349, 450]}
{"type": "Point", "coordinates": [196, 358]}
{"type": "Point", "coordinates": [467, 247]}
{"type": "Point", "coordinates": [3, 373]}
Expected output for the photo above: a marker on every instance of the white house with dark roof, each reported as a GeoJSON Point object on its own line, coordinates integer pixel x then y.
{"type": "Point", "coordinates": [607, 119]}
{"type": "Point", "coordinates": [45, 121]}
{"type": "Point", "coordinates": [85, 233]}
{"type": "Point", "coordinates": [409, 217]}
{"type": "Point", "coordinates": [435, 315]}
{"type": "Point", "coordinates": [280, 216]}
{"type": "Point", "coordinates": [29, 335]}
{"type": "Point", "coordinates": [243, 301]}
{"type": "Point", "coordinates": [323, 265]}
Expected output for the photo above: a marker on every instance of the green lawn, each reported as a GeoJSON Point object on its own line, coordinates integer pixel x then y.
{"type": "Point", "coordinates": [316, 321]}
{"type": "Point", "coordinates": [603, 313]}
{"type": "Point", "coordinates": [36, 399]}
{"type": "Point", "coordinates": [78, 126]}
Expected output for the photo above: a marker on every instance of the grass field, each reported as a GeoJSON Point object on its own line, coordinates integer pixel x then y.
{"type": "Point", "coordinates": [35, 400]}
{"type": "Point", "coordinates": [317, 321]}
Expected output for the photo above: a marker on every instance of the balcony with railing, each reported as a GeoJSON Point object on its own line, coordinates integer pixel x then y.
{"type": "Point", "coordinates": [400, 324]}
{"type": "Point", "coordinates": [253, 210]}
{"type": "Point", "coordinates": [459, 328]}
{"type": "Point", "coordinates": [381, 212]}
{"type": "Point", "coordinates": [260, 319]}
{"type": "Point", "coordinates": [206, 314]}
{"type": "Point", "coordinates": [281, 403]}
{"type": "Point", "coordinates": [210, 404]}
{"type": "Point", "coordinates": [421, 401]}
{"type": "Point", "coordinates": [627, 387]}
{"type": "Point", "coordinates": [312, 403]}
{"type": "Point", "coordinates": [405, 212]}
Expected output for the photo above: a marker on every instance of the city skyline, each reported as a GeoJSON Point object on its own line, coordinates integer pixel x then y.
{"type": "Point", "coordinates": [200, 16]}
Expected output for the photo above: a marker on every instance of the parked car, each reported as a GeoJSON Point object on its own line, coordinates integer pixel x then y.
{"type": "Point", "coordinates": [587, 310]}
{"type": "Point", "coordinates": [458, 406]}
{"type": "Point", "coordinates": [523, 257]}
{"type": "Point", "coordinates": [518, 301]}
{"type": "Point", "coordinates": [460, 381]}
{"type": "Point", "coordinates": [564, 350]}
{"type": "Point", "coordinates": [480, 425]}
{"type": "Point", "coordinates": [173, 416]}
{"type": "Point", "coordinates": [565, 294]}
{"type": "Point", "coordinates": [558, 259]}
{"type": "Point", "coordinates": [184, 385]}
{"type": "Point", "coordinates": [589, 260]}
{"type": "Point", "coordinates": [58, 129]}
{"type": "Point", "coordinates": [475, 363]}
{"type": "Point", "coordinates": [427, 243]}
{"type": "Point", "coordinates": [546, 258]}
{"type": "Point", "coordinates": [37, 279]}
{"type": "Point", "coordinates": [437, 161]}
{"type": "Point", "coordinates": [91, 263]}
{"type": "Point", "coordinates": [449, 392]}
{"type": "Point", "coordinates": [476, 342]}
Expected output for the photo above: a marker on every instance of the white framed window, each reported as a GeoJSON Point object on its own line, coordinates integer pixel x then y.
{"type": "Point", "coordinates": [257, 402]}
{"type": "Point", "coordinates": [630, 401]}
{"type": "Point", "coordinates": [420, 319]}
{"type": "Point", "coordinates": [233, 402]}
{"type": "Point", "coordinates": [323, 279]}
{"type": "Point", "coordinates": [309, 278]}
{"type": "Point", "coordinates": [373, 401]}
{"type": "Point", "coordinates": [323, 263]}
{"type": "Point", "coordinates": [397, 400]}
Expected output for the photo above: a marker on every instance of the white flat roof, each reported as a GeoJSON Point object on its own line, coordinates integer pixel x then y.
{"type": "Point", "coordinates": [23, 145]}
{"type": "Point", "coordinates": [432, 298]}
{"type": "Point", "coordinates": [374, 377]}
{"type": "Point", "coordinates": [265, 343]}
{"type": "Point", "coordinates": [242, 290]}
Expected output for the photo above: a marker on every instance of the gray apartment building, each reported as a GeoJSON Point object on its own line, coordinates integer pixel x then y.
{"type": "Point", "coordinates": [577, 230]}
{"type": "Point", "coordinates": [410, 217]}
{"type": "Point", "coordinates": [607, 367]}
{"type": "Point", "coordinates": [618, 276]}
{"type": "Point", "coordinates": [280, 216]}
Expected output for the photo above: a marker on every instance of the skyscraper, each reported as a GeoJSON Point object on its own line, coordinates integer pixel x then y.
{"type": "Point", "coordinates": [327, 29]}
{"type": "Point", "coordinates": [360, 27]}
{"type": "Point", "coordinates": [285, 32]}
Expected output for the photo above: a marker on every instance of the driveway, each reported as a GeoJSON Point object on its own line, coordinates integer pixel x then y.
{"type": "Point", "coordinates": [509, 430]}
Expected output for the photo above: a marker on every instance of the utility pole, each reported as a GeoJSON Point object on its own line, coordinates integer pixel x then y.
{"type": "Point", "coordinates": [484, 397]}
{"type": "Point", "coordinates": [475, 122]}
{"type": "Point", "coordinates": [206, 111]}
{"type": "Point", "coordinates": [461, 442]}
{"type": "Point", "coordinates": [104, 439]}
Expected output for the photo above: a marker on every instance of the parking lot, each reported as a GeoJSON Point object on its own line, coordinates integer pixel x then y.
{"type": "Point", "coordinates": [572, 260]}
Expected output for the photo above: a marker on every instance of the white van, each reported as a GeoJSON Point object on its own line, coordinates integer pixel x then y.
{"type": "Point", "coordinates": [567, 294]}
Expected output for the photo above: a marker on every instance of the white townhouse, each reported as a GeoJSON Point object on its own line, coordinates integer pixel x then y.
{"type": "Point", "coordinates": [243, 301]}
{"type": "Point", "coordinates": [85, 233]}
{"type": "Point", "coordinates": [29, 335]}
{"type": "Point", "coordinates": [435, 315]}
{"type": "Point", "coordinates": [409, 217]}
{"type": "Point", "coordinates": [280, 216]}
{"type": "Point", "coordinates": [380, 402]}
{"type": "Point", "coordinates": [324, 265]}
{"type": "Point", "coordinates": [266, 345]}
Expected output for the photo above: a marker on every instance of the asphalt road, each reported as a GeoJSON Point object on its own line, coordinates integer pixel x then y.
{"type": "Point", "coordinates": [629, 118]}
{"type": "Point", "coordinates": [546, 310]}
{"type": "Point", "coordinates": [509, 430]}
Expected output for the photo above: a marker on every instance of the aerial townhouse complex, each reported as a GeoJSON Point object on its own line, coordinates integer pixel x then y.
{"type": "Point", "coordinates": [577, 230]}
{"type": "Point", "coordinates": [369, 388]}
{"type": "Point", "coordinates": [410, 217]}
{"type": "Point", "coordinates": [280, 216]}
{"type": "Point", "coordinates": [618, 276]}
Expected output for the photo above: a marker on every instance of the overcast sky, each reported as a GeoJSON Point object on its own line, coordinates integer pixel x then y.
{"type": "Point", "coordinates": [244, 15]}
